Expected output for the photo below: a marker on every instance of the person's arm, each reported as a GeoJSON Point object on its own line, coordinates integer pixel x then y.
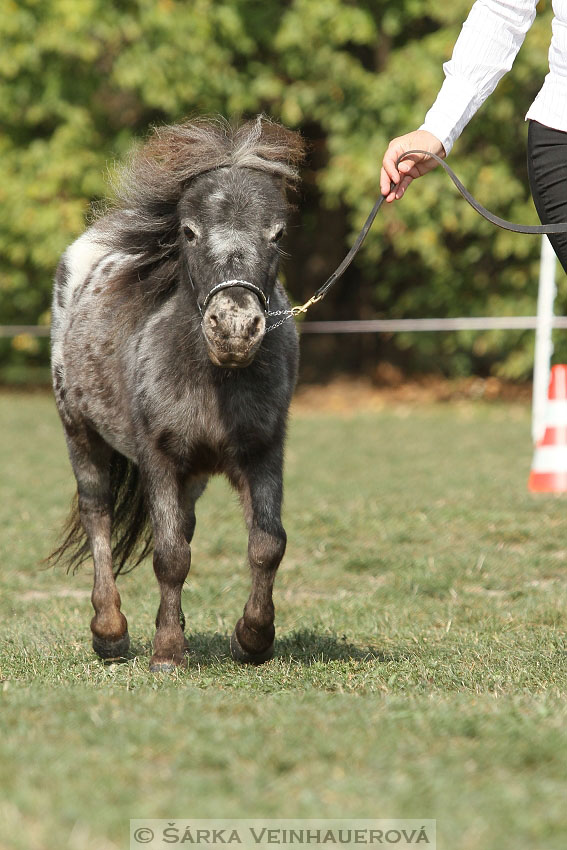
{"type": "Point", "coordinates": [485, 50]}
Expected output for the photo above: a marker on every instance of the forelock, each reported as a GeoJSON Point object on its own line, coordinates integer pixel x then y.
{"type": "Point", "coordinates": [173, 155]}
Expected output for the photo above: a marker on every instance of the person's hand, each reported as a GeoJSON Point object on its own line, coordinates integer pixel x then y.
{"type": "Point", "coordinates": [414, 166]}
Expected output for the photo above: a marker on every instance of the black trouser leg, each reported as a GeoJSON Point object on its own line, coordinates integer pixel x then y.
{"type": "Point", "coordinates": [547, 170]}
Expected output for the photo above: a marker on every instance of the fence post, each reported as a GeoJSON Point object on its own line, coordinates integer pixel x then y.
{"type": "Point", "coordinates": [543, 341]}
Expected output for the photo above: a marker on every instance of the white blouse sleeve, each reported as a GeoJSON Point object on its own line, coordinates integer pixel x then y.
{"type": "Point", "coordinates": [485, 50]}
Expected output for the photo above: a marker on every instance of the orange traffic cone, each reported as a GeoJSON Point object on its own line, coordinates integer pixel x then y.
{"type": "Point", "coordinates": [549, 467]}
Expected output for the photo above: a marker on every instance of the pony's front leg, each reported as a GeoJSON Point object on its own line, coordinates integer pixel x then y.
{"type": "Point", "coordinates": [261, 492]}
{"type": "Point", "coordinates": [172, 559]}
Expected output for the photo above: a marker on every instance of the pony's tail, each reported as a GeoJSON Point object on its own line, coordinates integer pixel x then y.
{"type": "Point", "coordinates": [131, 530]}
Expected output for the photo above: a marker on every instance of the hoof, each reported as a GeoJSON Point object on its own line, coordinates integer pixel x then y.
{"type": "Point", "coordinates": [169, 665]}
{"type": "Point", "coordinates": [244, 657]}
{"type": "Point", "coordinates": [111, 649]}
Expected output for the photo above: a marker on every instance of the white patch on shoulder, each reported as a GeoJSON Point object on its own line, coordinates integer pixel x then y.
{"type": "Point", "coordinates": [89, 256]}
{"type": "Point", "coordinates": [81, 256]}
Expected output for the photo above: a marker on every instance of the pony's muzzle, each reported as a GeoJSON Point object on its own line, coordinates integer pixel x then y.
{"type": "Point", "coordinates": [234, 325]}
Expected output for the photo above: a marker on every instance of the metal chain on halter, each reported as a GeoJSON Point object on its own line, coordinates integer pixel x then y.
{"type": "Point", "coordinates": [290, 314]}
{"type": "Point", "coordinates": [494, 219]}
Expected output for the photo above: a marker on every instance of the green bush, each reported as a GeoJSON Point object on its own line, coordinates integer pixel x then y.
{"type": "Point", "coordinates": [83, 79]}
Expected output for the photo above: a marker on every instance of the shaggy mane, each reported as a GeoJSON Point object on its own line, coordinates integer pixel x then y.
{"type": "Point", "coordinates": [175, 154]}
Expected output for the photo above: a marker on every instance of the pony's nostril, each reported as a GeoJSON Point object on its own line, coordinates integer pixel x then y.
{"type": "Point", "coordinates": [255, 326]}
{"type": "Point", "coordinates": [213, 320]}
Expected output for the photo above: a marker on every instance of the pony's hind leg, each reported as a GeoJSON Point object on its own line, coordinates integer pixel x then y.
{"type": "Point", "coordinates": [90, 458]}
{"type": "Point", "coordinates": [252, 640]}
{"type": "Point", "coordinates": [194, 488]}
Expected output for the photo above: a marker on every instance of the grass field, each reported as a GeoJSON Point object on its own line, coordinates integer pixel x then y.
{"type": "Point", "coordinates": [420, 667]}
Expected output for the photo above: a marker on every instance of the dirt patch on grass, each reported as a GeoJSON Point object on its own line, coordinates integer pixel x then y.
{"type": "Point", "coordinates": [349, 394]}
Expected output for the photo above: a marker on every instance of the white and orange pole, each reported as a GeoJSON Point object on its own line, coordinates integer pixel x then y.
{"type": "Point", "coordinates": [543, 348]}
{"type": "Point", "coordinates": [549, 466]}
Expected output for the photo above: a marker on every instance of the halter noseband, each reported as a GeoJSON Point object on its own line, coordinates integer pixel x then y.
{"type": "Point", "coordinates": [231, 284]}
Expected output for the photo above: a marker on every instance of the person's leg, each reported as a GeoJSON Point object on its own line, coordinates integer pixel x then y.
{"type": "Point", "coordinates": [547, 170]}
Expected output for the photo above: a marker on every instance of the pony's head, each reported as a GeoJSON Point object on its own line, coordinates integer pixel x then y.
{"type": "Point", "coordinates": [215, 198]}
{"type": "Point", "coordinates": [231, 221]}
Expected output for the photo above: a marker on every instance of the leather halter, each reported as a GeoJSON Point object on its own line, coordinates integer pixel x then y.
{"type": "Point", "coordinates": [231, 284]}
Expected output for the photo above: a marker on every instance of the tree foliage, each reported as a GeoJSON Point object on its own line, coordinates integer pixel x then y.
{"type": "Point", "coordinates": [81, 81]}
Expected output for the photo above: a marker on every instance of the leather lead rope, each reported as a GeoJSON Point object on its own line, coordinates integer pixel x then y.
{"type": "Point", "coordinates": [494, 219]}
{"type": "Point", "coordinates": [338, 273]}
{"type": "Point", "coordinates": [340, 270]}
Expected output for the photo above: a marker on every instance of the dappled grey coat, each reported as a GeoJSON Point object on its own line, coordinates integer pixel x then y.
{"type": "Point", "coordinates": [160, 385]}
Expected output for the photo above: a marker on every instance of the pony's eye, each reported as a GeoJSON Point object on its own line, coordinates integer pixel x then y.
{"type": "Point", "coordinates": [190, 234]}
{"type": "Point", "coordinates": [278, 234]}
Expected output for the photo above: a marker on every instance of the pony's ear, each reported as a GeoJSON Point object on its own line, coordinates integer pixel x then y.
{"type": "Point", "coordinates": [276, 142]}
{"type": "Point", "coordinates": [273, 143]}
